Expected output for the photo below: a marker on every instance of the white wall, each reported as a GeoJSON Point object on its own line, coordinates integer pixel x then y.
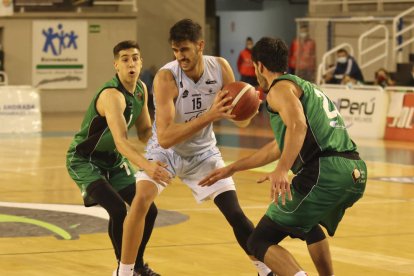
{"type": "Point", "coordinates": [276, 19]}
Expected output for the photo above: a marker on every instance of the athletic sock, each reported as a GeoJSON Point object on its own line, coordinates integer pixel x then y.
{"type": "Point", "coordinates": [301, 273]}
{"type": "Point", "coordinates": [261, 268]}
{"type": "Point", "coordinates": [126, 269]}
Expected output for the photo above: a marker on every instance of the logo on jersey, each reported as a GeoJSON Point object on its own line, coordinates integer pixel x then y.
{"type": "Point", "coordinates": [211, 81]}
{"type": "Point", "coordinates": [185, 93]}
{"type": "Point", "coordinates": [139, 95]}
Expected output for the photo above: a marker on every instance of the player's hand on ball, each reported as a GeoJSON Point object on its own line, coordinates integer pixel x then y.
{"type": "Point", "coordinates": [216, 176]}
{"type": "Point", "coordinates": [218, 109]}
{"type": "Point", "coordinates": [279, 186]}
{"type": "Point", "coordinates": [157, 171]}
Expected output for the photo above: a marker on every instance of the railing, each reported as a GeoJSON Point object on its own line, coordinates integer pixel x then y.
{"type": "Point", "coordinates": [383, 42]}
{"type": "Point", "coordinates": [396, 33]}
{"type": "Point", "coordinates": [132, 3]}
{"type": "Point", "coordinates": [4, 80]}
{"type": "Point", "coordinates": [345, 3]}
{"type": "Point", "coordinates": [21, 5]}
{"type": "Point", "coordinates": [323, 66]}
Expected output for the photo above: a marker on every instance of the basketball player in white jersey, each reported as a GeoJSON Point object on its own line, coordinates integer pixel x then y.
{"type": "Point", "coordinates": [188, 99]}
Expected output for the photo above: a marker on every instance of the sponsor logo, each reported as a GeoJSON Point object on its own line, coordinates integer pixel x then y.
{"type": "Point", "coordinates": [211, 81]}
{"type": "Point", "coordinates": [405, 119]}
{"type": "Point", "coordinates": [356, 108]}
{"type": "Point", "coordinates": [57, 40]}
{"type": "Point", "coordinates": [185, 93]}
{"type": "Point", "coordinates": [196, 115]}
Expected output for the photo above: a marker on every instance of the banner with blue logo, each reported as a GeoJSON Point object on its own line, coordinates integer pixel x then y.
{"type": "Point", "coordinates": [60, 54]}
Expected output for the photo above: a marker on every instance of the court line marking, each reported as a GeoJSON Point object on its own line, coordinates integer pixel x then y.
{"type": "Point", "coordinates": [49, 226]}
{"type": "Point", "coordinates": [339, 254]}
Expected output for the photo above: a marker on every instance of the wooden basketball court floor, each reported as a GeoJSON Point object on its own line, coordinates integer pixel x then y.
{"type": "Point", "coordinates": [45, 230]}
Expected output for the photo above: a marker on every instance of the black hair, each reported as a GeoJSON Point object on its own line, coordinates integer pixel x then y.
{"type": "Point", "coordinates": [272, 53]}
{"type": "Point", "coordinates": [249, 39]}
{"type": "Point", "coordinates": [342, 50]}
{"type": "Point", "coordinates": [185, 29]}
{"type": "Point", "coordinates": [123, 45]}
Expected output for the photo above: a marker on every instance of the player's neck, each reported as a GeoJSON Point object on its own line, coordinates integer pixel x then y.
{"type": "Point", "coordinates": [196, 73]}
{"type": "Point", "coordinates": [129, 86]}
{"type": "Point", "coordinates": [270, 77]}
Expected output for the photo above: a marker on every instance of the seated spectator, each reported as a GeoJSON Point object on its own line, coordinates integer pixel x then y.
{"type": "Point", "coordinates": [383, 78]}
{"type": "Point", "coordinates": [345, 66]}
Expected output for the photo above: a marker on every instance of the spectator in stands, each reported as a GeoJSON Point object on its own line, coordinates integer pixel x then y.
{"type": "Point", "coordinates": [302, 55]}
{"type": "Point", "coordinates": [245, 64]}
{"type": "Point", "coordinates": [346, 70]}
{"type": "Point", "coordinates": [383, 78]}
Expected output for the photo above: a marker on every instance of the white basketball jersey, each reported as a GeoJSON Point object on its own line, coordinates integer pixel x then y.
{"type": "Point", "coordinates": [193, 100]}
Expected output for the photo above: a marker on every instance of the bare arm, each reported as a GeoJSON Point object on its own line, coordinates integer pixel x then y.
{"type": "Point", "coordinates": [168, 131]}
{"type": "Point", "coordinates": [284, 99]}
{"type": "Point", "coordinates": [228, 77]}
{"type": "Point", "coordinates": [269, 153]}
{"type": "Point", "coordinates": [226, 71]}
{"type": "Point", "coordinates": [143, 122]}
{"type": "Point", "coordinates": [111, 104]}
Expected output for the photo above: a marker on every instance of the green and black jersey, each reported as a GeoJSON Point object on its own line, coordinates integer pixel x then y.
{"type": "Point", "coordinates": [326, 129]}
{"type": "Point", "coordinates": [94, 141]}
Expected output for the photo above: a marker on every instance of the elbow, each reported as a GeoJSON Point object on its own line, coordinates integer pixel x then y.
{"type": "Point", "coordinates": [164, 142]}
{"type": "Point", "coordinates": [145, 135]}
{"type": "Point", "coordinates": [120, 146]}
{"type": "Point", "coordinates": [302, 128]}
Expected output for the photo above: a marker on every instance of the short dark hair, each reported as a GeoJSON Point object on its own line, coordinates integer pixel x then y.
{"type": "Point", "coordinates": [185, 29]}
{"type": "Point", "coordinates": [342, 50]}
{"type": "Point", "coordinates": [272, 53]}
{"type": "Point", "coordinates": [123, 45]}
{"type": "Point", "coordinates": [249, 39]}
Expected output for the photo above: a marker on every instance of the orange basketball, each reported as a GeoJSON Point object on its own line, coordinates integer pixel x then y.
{"type": "Point", "coordinates": [245, 99]}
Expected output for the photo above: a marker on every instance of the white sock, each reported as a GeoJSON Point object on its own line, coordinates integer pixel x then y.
{"type": "Point", "coordinates": [261, 268]}
{"type": "Point", "coordinates": [301, 273]}
{"type": "Point", "coordinates": [126, 269]}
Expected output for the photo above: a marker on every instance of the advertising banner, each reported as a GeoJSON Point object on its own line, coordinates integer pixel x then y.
{"type": "Point", "coordinates": [19, 110]}
{"type": "Point", "coordinates": [400, 124]}
{"type": "Point", "coordinates": [363, 109]}
{"type": "Point", "coordinates": [60, 54]}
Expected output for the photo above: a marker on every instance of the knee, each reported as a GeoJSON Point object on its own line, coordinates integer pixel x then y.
{"type": "Point", "coordinates": [143, 201]}
{"type": "Point", "coordinates": [255, 246]}
{"type": "Point", "coordinates": [236, 217]}
{"type": "Point", "coordinates": [315, 235]}
{"type": "Point", "coordinates": [118, 213]}
{"type": "Point", "coordinates": [152, 212]}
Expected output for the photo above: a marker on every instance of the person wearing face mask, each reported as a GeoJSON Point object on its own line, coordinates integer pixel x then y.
{"type": "Point", "coordinates": [302, 55]}
{"type": "Point", "coordinates": [383, 78]}
{"type": "Point", "coordinates": [245, 64]}
{"type": "Point", "coordinates": [346, 70]}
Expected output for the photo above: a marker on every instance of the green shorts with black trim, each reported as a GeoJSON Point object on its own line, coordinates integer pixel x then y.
{"type": "Point", "coordinates": [84, 172]}
{"type": "Point", "coordinates": [321, 192]}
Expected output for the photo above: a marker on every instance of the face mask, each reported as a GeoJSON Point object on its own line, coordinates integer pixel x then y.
{"type": "Point", "coordinates": [341, 59]}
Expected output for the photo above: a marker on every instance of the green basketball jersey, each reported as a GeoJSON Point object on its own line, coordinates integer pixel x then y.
{"type": "Point", "coordinates": [326, 129]}
{"type": "Point", "coordinates": [94, 141]}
